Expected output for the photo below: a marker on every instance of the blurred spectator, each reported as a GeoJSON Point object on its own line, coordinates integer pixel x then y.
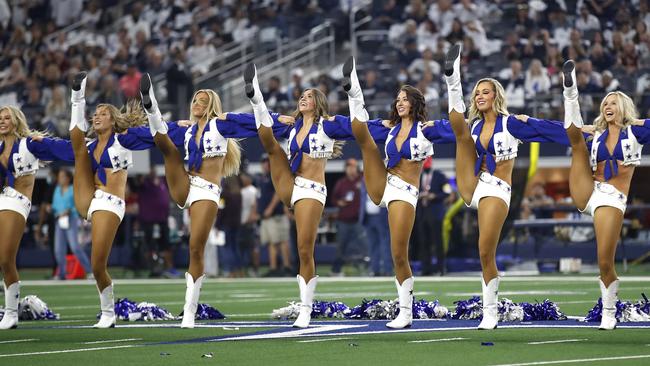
{"type": "Point", "coordinates": [153, 213]}
{"type": "Point", "coordinates": [349, 232]}
{"type": "Point", "coordinates": [610, 83]}
{"type": "Point", "coordinates": [586, 21]}
{"type": "Point", "coordinates": [249, 250]}
{"type": "Point", "coordinates": [513, 82]}
{"type": "Point", "coordinates": [422, 64]}
{"type": "Point", "coordinates": [67, 225]}
{"type": "Point", "coordinates": [431, 209]}
{"type": "Point", "coordinates": [375, 222]}
{"type": "Point", "coordinates": [33, 108]}
{"type": "Point", "coordinates": [537, 80]}
{"type": "Point", "coordinates": [200, 56]}
{"type": "Point", "coordinates": [275, 99]}
{"type": "Point", "coordinates": [66, 12]}
{"type": "Point", "coordinates": [229, 221]}
{"type": "Point", "coordinates": [274, 228]}
{"type": "Point", "coordinates": [57, 115]}
{"type": "Point", "coordinates": [130, 82]}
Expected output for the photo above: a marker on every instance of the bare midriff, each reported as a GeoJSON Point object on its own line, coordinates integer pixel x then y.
{"type": "Point", "coordinates": [503, 170]}
{"type": "Point", "coordinates": [115, 182]}
{"type": "Point", "coordinates": [25, 185]}
{"type": "Point", "coordinates": [312, 169]}
{"type": "Point", "coordinates": [621, 181]}
{"type": "Point", "coordinates": [211, 169]}
{"type": "Point", "coordinates": [408, 171]}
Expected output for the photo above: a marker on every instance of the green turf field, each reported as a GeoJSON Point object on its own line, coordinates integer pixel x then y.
{"type": "Point", "coordinates": [65, 342]}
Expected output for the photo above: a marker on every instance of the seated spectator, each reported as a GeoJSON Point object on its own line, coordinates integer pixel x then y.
{"type": "Point", "coordinates": [274, 97]}
{"type": "Point", "coordinates": [422, 64]}
{"type": "Point", "coordinates": [537, 80]}
{"type": "Point", "coordinates": [586, 21]}
{"type": "Point", "coordinates": [130, 82]}
{"type": "Point", "coordinates": [513, 82]}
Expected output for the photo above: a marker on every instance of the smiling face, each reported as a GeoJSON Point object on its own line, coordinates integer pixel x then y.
{"type": "Point", "coordinates": [200, 105]}
{"type": "Point", "coordinates": [610, 109]}
{"type": "Point", "coordinates": [306, 103]}
{"type": "Point", "coordinates": [102, 120]}
{"type": "Point", "coordinates": [484, 96]}
{"type": "Point", "coordinates": [6, 124]}
{"type": "Point", "coordinates": [403, 105]}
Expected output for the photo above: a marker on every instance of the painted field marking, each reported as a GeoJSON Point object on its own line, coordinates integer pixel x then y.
{"type": "Point", "coordinates": [439, 340]}
{"type": "Point", "coordinates": [324, 340]}
{"type": "Point", "coordinates": [576, 360]}
{"type": "Point", "coordinates": [19, 340]}
{"type": "Point", "coordinates": [65, 351]}
{"type": "Point", "coordinates": [558, 341]}
{"type": "Point", "coordinates": [114, 341]}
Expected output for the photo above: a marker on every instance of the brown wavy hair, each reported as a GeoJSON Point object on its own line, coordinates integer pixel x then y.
{"type": "Point", "coordinates": [321, 109]}
{"type": "Point", "coordinates": [418, 110]}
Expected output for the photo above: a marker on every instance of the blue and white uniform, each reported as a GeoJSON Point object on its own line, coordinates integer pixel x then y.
{"type": "Point", "coordinates": [318, 144]}
{"type": "Point", "coordinates": [627, 151]}
{"type": "Point", "coordinates": [508, 133]}
{"type": "Point", "coordinates": [213, 143]}
{"type": "Point", "coordinates": [117, 156]}
{"type": "Point", "coordinates": [24, 160]}
{"type": "Point", "coordinates": [417, 147]}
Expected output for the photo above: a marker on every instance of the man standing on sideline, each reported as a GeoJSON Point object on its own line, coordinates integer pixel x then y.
{"type": "Point", "coordinates": [375, 221]}
{"type": "Point", "coordinates": [274, 228]}
{"type": "Point", "coordinates": [347, 197]}
{"type": "Point", "coordinates": [431, 209]}
{"type": "Point", "coordinates": [153, 214]}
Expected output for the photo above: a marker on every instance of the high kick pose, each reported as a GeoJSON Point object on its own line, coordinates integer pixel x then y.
{"type": "Point", "coordinates": [211, 154]}
{"type": "Point", "coordinates": [100, 178]}
{"type": "Point", "coordinates": [20, 152]}
{"type": "Point", "coordinates": [395, 185]}
{"type": "Point", "coordinates": [485, 154]}
{"type": "Point", "coordinates": [300, 180]}
{"type": "Point", "coordinates": [613, 154]}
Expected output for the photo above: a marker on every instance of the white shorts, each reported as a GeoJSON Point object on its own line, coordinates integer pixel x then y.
{"type": "Point", "coordinates": [605, 194]}
{"type": "Point", "coordinates": [399, 190]}
{"type": "Point", "coordinates": [490, 186]}
{"type": "Point", "coordinates": [202, 190]}
{"type": "Point", "coordinates": [105, 201]}
{"type": "Point", "coordinates": [12, 200]}
{"type": "Point", "coordinates": [305, 188]}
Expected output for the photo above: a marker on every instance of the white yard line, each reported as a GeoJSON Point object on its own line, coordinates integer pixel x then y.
{"type": "Point", "coordinates": [323, 340]}
{"type": "Point", "coordinates": [439, 340]}
{"type": "Point", "coordinates": [19, 340]}
{"type": "Point", "coordinates": [558, 341]}
{"type": "Point", "coordinates": [576, 360]}
{"type": "Point", "coordinates": [64, 351]}
{"type": "Point", "coordinates": [114, 341]}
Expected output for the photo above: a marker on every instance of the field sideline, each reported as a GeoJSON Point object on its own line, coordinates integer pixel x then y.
{"type": "Point", "coordinates": [247, 303]}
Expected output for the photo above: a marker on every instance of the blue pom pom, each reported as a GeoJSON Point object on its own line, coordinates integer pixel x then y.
{"type": "Point", "coordinates": [207, 312]}
{"type": "Point", "coordinates": [468, 309]}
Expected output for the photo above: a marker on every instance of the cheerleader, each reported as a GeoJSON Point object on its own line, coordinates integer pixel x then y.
{"type": "Point", "coordinates": [395, 185]}
{"type": "Point", "coordinates": [100, 178]}
{"type": "Point", "coordinates": [607, 164]}
{"type": "Point", "coordinates": [212, 153]}
{"type": "Point", "coordinates": [485, 153]}
{"type": "Point", "coordinates": [300, 179]}
{"type": "Point", "coordinates": [21, 150]}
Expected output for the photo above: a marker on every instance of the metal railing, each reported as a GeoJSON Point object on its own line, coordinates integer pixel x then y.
{"type": "Point", "coordinates": [314, 50]}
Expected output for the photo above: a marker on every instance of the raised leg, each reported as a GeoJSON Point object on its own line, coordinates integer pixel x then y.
{"type": "Point", "coordinates": [466, 180]}
{"type": "Point", "coordinates": [84, 180]}
{"type": "Point", "coordinates": [581, 181]}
